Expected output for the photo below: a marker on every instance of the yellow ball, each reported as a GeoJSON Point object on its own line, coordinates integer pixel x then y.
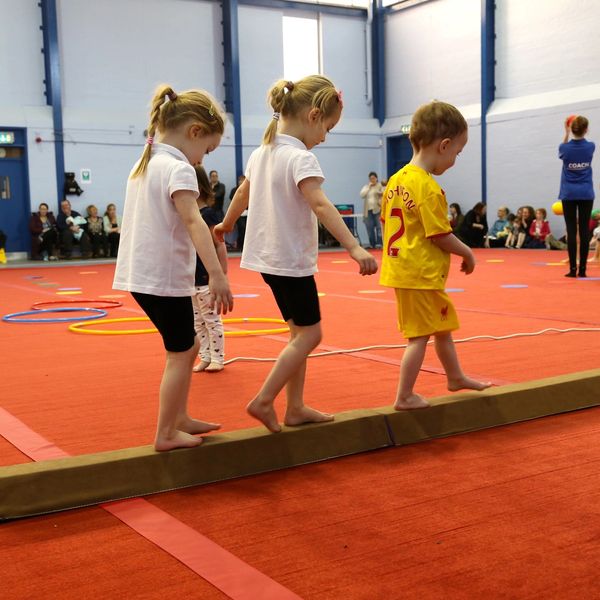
{"type": "Point", "coordinates": [557, 208]}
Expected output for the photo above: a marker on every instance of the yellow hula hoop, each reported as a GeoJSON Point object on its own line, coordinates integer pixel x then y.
{"type": "Point", "coordinates": [83, 327]}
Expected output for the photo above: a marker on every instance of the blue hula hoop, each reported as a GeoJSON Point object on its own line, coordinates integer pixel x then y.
{"type": "Point", "coordinates": [97, 314]}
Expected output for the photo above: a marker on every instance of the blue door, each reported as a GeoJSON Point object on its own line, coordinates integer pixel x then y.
{"type": "Point", "coordinates": [14, 195]}
{"type": "Point", "coordinates": [399, 153]}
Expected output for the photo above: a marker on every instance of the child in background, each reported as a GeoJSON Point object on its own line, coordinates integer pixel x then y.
{"type": "Point", "coordinates": [513, 233]}
{"type": "Point", "coordinates": [283, 194]}
{"type": "Point", "coordinates": [538, 230]}
{"type": "Point", "coordinates": [162, 230]}
{"type": "Point", "coordinates": [207, 321]}
{"type": "Point", "coordinates": [418, 241]}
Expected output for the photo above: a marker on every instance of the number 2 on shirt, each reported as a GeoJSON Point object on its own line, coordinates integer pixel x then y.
{"type": "Point", "coordinates": [393, 250]}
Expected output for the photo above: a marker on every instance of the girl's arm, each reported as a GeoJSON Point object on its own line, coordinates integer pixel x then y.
{"type": "Point", "coordinates": [221, 250]}
{"type": "Point", "coordinates": [237, 206]}
{"type": "Point", "coordinates": [186, 206]}
{"type": "Point", "coordinates": [450, 243]}
{"type": "Point", "coordinates": [331, 219]}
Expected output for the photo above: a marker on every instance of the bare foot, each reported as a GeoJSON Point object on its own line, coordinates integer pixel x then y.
{"type": "Point", "coordinates": [214, 367]}
{"type": "Point", "coordinates": [194, 426]}
{"type": "Point", "coordinates": [411, 402]}
{"type": "Point", "coordinates": [466, 383]}
{"type": "Point", "coordinates": [305, 414]}
{"type": "Point", "coordinates": [265, 413]}
{"type": "Point", "coordinates": [179, 439]}
{"type": "Point", "coordinates": [200, 366]}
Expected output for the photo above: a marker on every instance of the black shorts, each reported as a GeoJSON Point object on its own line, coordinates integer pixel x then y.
{"type": "Point", "coordinates": [296, 298]}
{"type": "Point", "coordinates": [173, 317]}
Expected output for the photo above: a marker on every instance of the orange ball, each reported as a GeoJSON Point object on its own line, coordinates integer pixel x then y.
{"type": "Point", "coordinates": [557, 208]}
{"type": "Point", "coordinates": [570, 119]}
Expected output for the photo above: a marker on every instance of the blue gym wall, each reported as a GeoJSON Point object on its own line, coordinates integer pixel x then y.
{"type": "Point", "coordinates": [114, 53]}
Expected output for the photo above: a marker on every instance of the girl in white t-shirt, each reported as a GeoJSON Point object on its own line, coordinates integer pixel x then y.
{"type": "Point", "coordinates": [161, 232]}
{"type": "Point", "coordinates": [283, 194]}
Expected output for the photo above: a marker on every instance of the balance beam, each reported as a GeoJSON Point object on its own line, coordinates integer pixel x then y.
{"type": "Point", "coordinates": [47, 486]}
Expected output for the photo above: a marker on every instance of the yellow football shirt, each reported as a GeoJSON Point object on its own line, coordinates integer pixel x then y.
{"type": "Point", "coordinates": [414, 210]}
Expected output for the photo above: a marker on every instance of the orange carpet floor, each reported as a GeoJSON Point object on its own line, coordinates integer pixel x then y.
{"type": "Point", "coordinates": [510, 512]}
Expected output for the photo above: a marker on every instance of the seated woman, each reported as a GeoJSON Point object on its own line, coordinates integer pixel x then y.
{"type": "Point", "coordinates": [95, 230]}
{"type": "Point", "coordinates": [455, 217]}
{"type": "Point", "coordinates": [112, 229]}
{"type": "Point", "coordinates": [528, 217]}
{"type": "Point", "coordinates": [44, 234]}
{"type": "Point", "coordinates": [538, 230]}
{"type": "Point", "coordinates": [474, 227]}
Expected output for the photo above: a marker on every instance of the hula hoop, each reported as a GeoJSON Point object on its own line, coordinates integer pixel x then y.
{"type": "Point", "coordinates": [11, 317]}
{"type": "Point", "coordinates": [107, 303]}
{"type": "Point", "coordinates": [83, 327]}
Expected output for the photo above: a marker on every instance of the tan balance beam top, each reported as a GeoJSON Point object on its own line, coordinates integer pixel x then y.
{"type": "Point", "coordinates": [46, 486]}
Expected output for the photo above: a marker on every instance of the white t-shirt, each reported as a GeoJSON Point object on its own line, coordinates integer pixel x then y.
{"type": "Point", "coordinates": [156, 254]}
{"type": "Point", "coordinates": [281, 230]}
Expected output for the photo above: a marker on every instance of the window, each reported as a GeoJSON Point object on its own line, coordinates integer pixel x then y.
{"type": "Point", "coordinates": [301, 47]}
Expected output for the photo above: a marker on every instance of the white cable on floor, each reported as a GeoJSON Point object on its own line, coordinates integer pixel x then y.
{"type": "Point", "coordinates": [397, 346]}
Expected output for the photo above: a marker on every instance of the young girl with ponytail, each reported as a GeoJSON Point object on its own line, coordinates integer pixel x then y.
{"type": "Point", "coordinates": [161, 232]}
{"type": "Point", "coordinates": [283, 194]}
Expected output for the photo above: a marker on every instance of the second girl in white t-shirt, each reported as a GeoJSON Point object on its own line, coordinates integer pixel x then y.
{"type": "Point", "coordinates": [283, 194]}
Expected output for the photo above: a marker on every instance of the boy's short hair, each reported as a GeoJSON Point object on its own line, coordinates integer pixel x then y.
{"type": "Point", "coordinates": [435, 121]}
{"type": "Point", "coordinates": [543, 211]}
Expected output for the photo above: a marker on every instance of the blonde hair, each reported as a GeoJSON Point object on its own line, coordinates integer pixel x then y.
{"type": "Point", "coordinates": [289, 99]}
{"type": "Point", "coordinates": [435, 121]}
{"type": "Point", "coordinates": [170, 110]}
{"type": "Point", "coordinates": [579, 126]}
{"type": "Point", "coordinates": [89, 210]}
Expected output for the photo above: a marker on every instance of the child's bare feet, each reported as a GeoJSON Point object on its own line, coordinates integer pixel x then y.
{"type": "Point", "coordinates": [305, 414]}
{"type": "Point", "coordinates": [466, 383]}
{"type": "Point", "coordinates": [411, 402]}
{"type": "Point", "coordinates": [201, 366]}
{"type": "Point", "coordinates": [265, 413]}
{"type": "Point", "coordinates": [194, 426]}
{"type": "Point", "coordinates": [214, 367]}
{"type": "Point", "coordinates": [180, 439]}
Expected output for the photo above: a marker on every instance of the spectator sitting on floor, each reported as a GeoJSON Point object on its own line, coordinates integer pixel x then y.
{"type": "Point", "coordinates": [528, 217]}
{"type": "Point", "coordinates": [112, 229]}
{"type": "Point", "coordinates": [496, 237]}
{"type": "Point", "coordinates": [44, 234]}
{"type": "Point", "coordinates": [538, 230]}
{"type": "Point", "coordinates": [71, 228]}
{"type": "Point", "coordinates": [95, 229]}
{"type": "Point", "coordinates": [456, 217]}
{"type": "Point", "coordinates": [474, 227]}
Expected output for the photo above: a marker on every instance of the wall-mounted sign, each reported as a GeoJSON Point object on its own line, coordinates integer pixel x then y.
{"type": "Point", "coordinates": [86, 176]}
{"type": "Point", "coordinates": [7, 137]}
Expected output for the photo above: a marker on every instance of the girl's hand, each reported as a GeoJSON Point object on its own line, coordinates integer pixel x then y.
{"type": "Point", "coordinates": [221, 298]}
{"type": "Point", "coordinates": [367, 264]}
{"type": "Point", "coordinates": [220, 230]}
{"type": "Point", "coordinates": [468, 264]}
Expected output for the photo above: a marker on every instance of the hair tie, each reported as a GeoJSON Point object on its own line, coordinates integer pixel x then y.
{"type": "Point", "coordinates": [150, 140]}
{"type": "Point", "coordinates": [172, 96]}
{"type": "Point", "coordinates": [211, 111]}
{"type": "Point", "coordinates": [276, 116]}
{"type": "Point", "coordinates": [339, 96]}
{"type": "Point", "coordinates": [289, 86]}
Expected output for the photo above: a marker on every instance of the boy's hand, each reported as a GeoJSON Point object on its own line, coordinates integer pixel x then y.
{"type": "Point", "coordinates": [468, 264]}
{"type": "Point", "coordinates": [366, 262]}
{"type": "Point", "coordinates": [221, 298]}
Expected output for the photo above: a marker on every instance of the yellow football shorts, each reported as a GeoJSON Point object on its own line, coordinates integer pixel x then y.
{"type": "Point", "coordinates": [424, 312]}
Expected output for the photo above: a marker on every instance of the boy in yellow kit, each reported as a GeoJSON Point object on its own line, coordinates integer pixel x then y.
{"type": "Point", "coordinates": [418, 241]}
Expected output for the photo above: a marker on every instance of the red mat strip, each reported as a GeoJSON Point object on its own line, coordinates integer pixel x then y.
{"type": "Point", "coordinates": [226, 572]}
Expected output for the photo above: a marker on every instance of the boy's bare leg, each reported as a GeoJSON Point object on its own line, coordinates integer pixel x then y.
{"type": "Point", "coordinates": [302, 341]}
{"type": "Point", "coordinates": [409, 370]}
{"type": "Point", "coordinates": [457, 380]}
{"type": "Point", "coordinates": [297, 413]}
{"type": "Point", "coordinates": [175, 428]}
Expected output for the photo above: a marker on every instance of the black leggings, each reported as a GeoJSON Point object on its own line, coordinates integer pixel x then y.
{"type": "Point", "coordinates": [578, 212]}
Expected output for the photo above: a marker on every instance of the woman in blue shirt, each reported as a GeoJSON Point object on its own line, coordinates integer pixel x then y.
{"type": "Point", "coordinates": [577, 191]}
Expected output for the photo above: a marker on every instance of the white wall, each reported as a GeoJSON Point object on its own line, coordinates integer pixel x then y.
{"type": "Point", "coordinates": [547, 69]}
{"type": "Point", "coordinates": [433, 51]}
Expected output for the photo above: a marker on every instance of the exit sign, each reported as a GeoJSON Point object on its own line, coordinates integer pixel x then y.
{"type": "Point", "coordinates": [7, 137]}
